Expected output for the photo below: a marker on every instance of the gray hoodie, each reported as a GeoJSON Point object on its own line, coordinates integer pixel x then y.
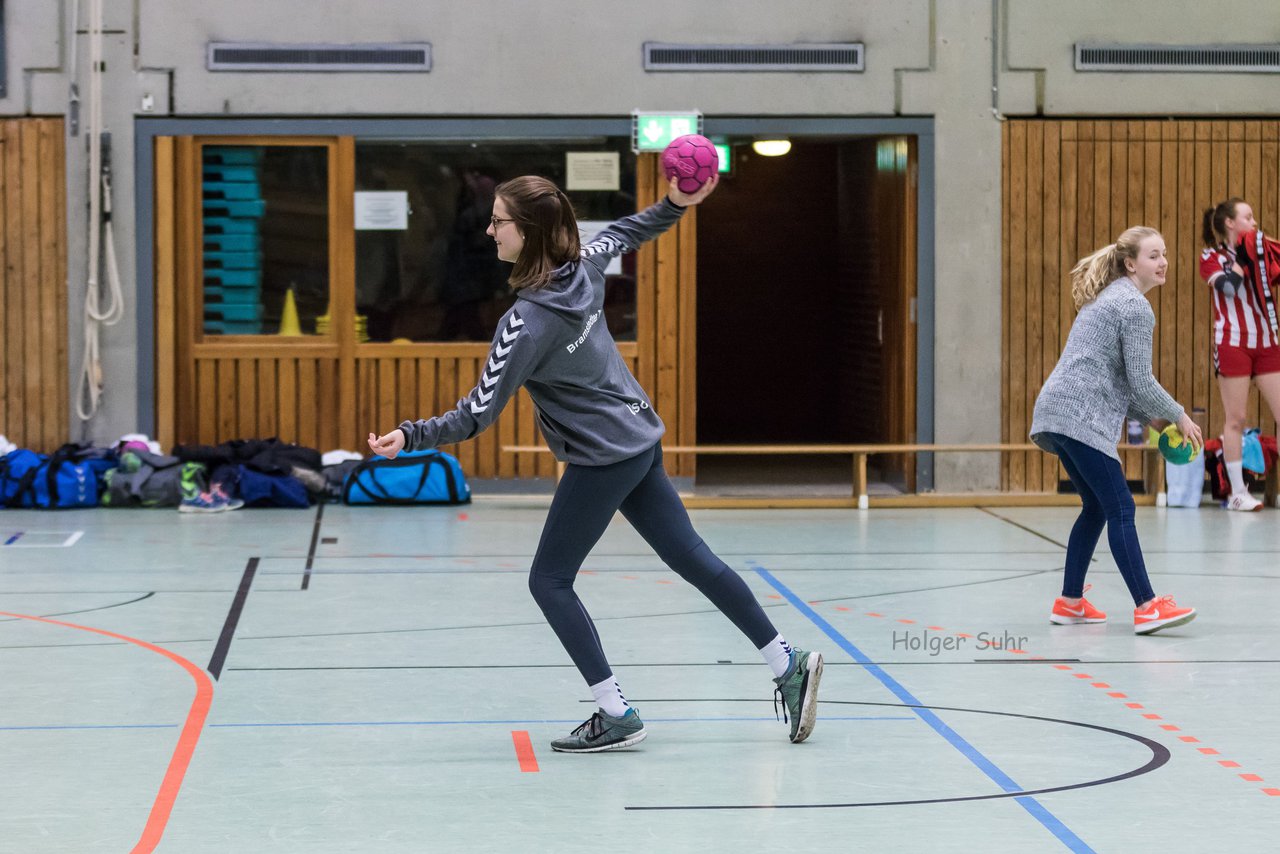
{"type": "Point", "coordinates": [1104, 374]}
{"type": "Point", "coordinates": [555, 343]}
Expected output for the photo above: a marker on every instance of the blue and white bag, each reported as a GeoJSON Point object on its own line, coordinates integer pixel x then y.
{"type": "Point", "coordinates": [415, 477]}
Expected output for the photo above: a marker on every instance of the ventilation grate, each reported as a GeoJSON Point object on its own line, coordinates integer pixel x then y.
{"type": "Point", "coordinates": [1257, 58]}
{"type": "Point", "coordinates": [254, 56]}
{"type": "Point", "coordinates": [766, 57]}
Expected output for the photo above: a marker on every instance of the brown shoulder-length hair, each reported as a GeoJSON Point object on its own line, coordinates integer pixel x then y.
{"type": "Point", "coordinates": [545, 218]}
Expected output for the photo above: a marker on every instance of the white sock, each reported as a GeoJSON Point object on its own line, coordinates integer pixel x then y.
{"type": "Point", "coordinates": [609, 697]}
{"type": "Point", "coordinates": [1235, 472]}
{"type": "Point", "coordinates": [777, 654]}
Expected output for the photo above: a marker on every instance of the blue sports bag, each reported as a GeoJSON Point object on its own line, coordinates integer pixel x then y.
{"type": "Point", "coordinates": [415, 477]}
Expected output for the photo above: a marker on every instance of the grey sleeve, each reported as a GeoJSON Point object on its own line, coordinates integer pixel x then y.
{"type": "Point", "coordinates": [1149, 399]}
{"type": "Point", "coordinates": [512, 358]}
{"type": "Point", "coordinates": [628, 233]}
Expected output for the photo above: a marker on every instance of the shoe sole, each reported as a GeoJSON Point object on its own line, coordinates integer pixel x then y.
{"type": "Point", "coordinates": [1074, 621]}
{"type": "Point", "coordinates": [809, 704]}
{"type": "Point", "coordinates": [634, 738]}
{"type": "Point", "coordinates": [1148, 629]}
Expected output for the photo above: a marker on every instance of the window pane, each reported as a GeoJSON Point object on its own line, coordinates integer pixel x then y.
{"type": "Point", "coordinates": [440, 279]}
{"type": "Point", "coordinates": [266, 236]}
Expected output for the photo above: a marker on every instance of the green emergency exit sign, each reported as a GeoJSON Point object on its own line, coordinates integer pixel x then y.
{"type": "Point", "coordinates": [653, 131]}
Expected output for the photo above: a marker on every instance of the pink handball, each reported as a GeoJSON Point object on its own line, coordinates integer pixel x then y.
{"type": "Point", "coordinates": [692, 160]}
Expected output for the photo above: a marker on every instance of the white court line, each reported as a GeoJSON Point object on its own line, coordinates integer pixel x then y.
{"type": "Point", "coordinates": [69, 538]}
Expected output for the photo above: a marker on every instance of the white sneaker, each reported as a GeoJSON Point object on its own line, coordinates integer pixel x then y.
{"type": "Point", "coordinates": [1244, 502]}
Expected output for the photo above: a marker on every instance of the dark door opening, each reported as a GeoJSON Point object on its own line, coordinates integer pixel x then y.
{"type": "Point", "coordinates": [806, 278]}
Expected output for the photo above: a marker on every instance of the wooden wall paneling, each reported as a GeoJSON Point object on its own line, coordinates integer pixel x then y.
{"type": "Point", "coordinates": [17, 336]}
{"type": "Point", "coordinates": [526, 434]}
{"type": "Point", "coordinates": [1268, 210]}
{"type": "Point", "coordinates": [330, 432]}
{"type": "Point", "coordinates": [1051, 282]}
{"type": "Point", "coordinates": [247, 399]}
{"type": "Point", "coordinates": [8, 359]}
{"type": "Point", "coordinates": [1206, 387]}
{"type": "Point", "coordinates": [268, 402]}
{"type": "Point", "coordinates": [287, 398]}
{"type": "Point", "coordinates": [60, 271]}
{"type": "Point", "coordinates": [33, 367]}
{"type": "Point", "coordinates": [307, 427]}
{"type": "Point", "coordinates": [1019, 416]}
{"type": "Point", "coordinates": [228, 400]}
{"type": "Point", "coordinates": [647, 169]}
{"type": "Point", "coordinates": [1006, 362]}
{"type": "Point", "coordinates": [1183, 253]}
{"type": "Point", "coordinates": [685, 416]}
{"type": "Point", "coordinates": [52, 322]}
{"type": "Point", "coordinates": [1068, 223]}
{"type": "Point", "coordinates": [387, 395]}
{"type": "Point", "coordinates": [1034, 268]}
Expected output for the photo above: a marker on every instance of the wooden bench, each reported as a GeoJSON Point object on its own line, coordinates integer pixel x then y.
{"type": "Point", "coordinates": [1153, 475]}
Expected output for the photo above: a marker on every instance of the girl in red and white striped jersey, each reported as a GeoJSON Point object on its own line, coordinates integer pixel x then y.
{"type": "Point", "coordinates": [1244, 343]}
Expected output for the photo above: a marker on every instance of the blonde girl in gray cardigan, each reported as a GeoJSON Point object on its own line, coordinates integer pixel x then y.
{"type": "Point", "coordinates": [1103, 377]}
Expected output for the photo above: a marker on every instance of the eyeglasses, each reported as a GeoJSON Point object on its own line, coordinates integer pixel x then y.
{"type": "Point", "coordinates": [497, 221]}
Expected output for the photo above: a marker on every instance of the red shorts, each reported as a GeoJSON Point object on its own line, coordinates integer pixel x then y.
{"type": "Point", "coordinates": [1246, 361]}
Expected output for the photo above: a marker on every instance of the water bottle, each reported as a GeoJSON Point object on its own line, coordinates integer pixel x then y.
{"type": "Point", "coordinates": [1135, 432]}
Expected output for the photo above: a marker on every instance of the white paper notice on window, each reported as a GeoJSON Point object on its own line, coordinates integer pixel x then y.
{"type": "Point", "coordinates": [592, 170]}
{"type": "Point", "coordinates": [385, 210]}
{"type": "Point", "coordinates": [589, 228]}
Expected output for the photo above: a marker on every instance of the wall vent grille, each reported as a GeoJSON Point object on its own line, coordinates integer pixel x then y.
{"type": "Point", "coordinates": [257, 56]}
{"type": "Point", "coordinates": [1256, 58]}
{"type": "Point", "coordinates": [763, 57]}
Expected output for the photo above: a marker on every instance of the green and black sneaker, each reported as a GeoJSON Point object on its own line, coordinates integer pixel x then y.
{"type": "Point", "coordinates": [798, 688]}
{"type": "Point", "coordinates": [602, 731]}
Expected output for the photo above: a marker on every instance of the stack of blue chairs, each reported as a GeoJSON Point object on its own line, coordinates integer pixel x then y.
{"type": "Point", "coordinates": [233, 210]}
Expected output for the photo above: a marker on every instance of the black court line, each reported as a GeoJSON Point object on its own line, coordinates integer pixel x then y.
{"type": "Point", "coordinates": [311, 553]}
{"type": "Point", "coordinates": [1031, 531]}
{"type": "Point", "coordinates": [1159, 756]}
{"type": "Point", "coordinates": [233, 618]}
{"type": "Point", "coordinates": [88, 610]}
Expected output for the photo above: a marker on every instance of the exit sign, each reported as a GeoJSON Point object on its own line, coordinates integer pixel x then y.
{"type": "Point", "coordinates": [653, 131]}
{"type": "Point", "coordinates": [726, 154]}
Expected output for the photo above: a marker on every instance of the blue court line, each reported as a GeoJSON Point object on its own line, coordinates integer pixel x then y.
{"type": "Point", "coordinates": [436, 723]}
{"type": "Point", "coordinates": [1037, 810]}
{"type": "Point", "coordinates": [14, 538]}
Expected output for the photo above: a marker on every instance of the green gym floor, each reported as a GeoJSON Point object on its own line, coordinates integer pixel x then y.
{"type": "Point", "coordinates": [379, 680]}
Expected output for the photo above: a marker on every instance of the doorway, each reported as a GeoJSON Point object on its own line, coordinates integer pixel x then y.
{"type": "Point", "coordinates": [806, 312]}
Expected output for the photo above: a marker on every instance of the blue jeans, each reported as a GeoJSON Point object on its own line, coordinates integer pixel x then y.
{"type": "Point", "coordinates": [1105, 495]}
{"type": "Point", "coordinates": [585, 501]}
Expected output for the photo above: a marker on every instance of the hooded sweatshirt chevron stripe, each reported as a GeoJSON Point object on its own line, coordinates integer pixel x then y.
{"type": "Point", "coordinates": [555, 343]}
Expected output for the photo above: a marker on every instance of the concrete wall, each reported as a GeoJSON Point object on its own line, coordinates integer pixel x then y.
{"type": "Point", "coordinates": [576, 58]}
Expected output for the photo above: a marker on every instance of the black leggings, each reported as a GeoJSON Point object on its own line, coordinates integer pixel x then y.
{"type": "Point", "coordinates": [585, 502]}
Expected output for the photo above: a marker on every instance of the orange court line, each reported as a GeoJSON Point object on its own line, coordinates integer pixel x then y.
{"type": "Point", "coordinates": [1227, 763]}
{"type": "Point", "coordinates": [1252, 778]}
{"type": "Point", "coordinates": [186, 747]}
{"type": "Point", "coordinates": [1272, 792]}
{"type": "Point", "coordinates": [524, 750]}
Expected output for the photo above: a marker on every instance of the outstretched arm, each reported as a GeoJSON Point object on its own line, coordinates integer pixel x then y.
{"type": "Point", "coordinates": [512, 358]}
{"type": "Point", "coordinates": [628, 233]}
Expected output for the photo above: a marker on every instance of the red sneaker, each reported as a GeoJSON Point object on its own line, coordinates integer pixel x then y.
{"type": "Point", "coordinates": [1161, 613]}
{"type": "Point", "coordinates": [1081, 612]}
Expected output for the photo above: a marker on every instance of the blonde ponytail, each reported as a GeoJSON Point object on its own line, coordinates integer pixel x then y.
{"type": "Point", "coordinates": [1094, 272]}
{"type": "Point", "coordinates": [1091, 274]}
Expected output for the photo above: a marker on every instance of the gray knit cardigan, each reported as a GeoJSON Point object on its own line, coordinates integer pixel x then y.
{"type": "Point", "coordinates": [1104, 374]}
